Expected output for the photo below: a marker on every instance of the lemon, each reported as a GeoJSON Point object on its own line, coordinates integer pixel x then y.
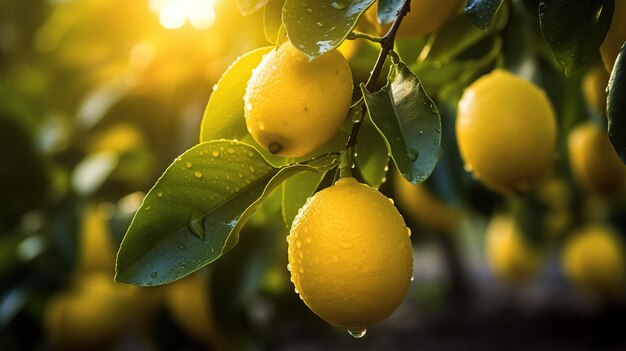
{"type": "Point", "coordinates": [188, 301]}
{"type": "Point", "coordinates": [615, 37]}
{"type": "Point", "coordinates": [424, 207]}
{"type": "Point", "coordinates": [96, 249]}
{"type": "Point", "coordinates": [506, 131]}
{"type": "Point", "coordinates": [593, 259]}
{"type": "Point", "coordinates": [593, 160]}
{"type": "Point", "coordinates": [426, 16]}
{"type": "Point", "coordinates": [594, 88]}
{"type": "Point", "coordinates": [350, 255]}
{"type": "Point", "coordinates": [509, 256]}
{"type": "Point", "coordinates": [293, 105]}
{"type": "Point", "coordinates": [93, 313]}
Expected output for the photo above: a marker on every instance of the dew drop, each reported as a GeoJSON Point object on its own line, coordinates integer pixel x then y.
{"type": "Point", "coordinates": [214, 87]}
{"type": "Point", "coordinates": [383, 180]}
{"type": "Point", "coordinates": [153, 274]}
{"type": "Point", "coordinates": [248, 106]}
{"type": "Point", "coordinates": [408, 231]}
{"type": "Point", "coordinates": [147, 208]}
{"type": "Point", "coordinates": [159, 194]}
{"type": "Point", "coordinates": [197, 174]}
{"type": "Point", "coordinates": [320, 24]}
{"type": "Point", "coordinates": [412, 155]}
{"type": "Point", "coordinates": [392, 202]}
{"type": "Point", "coordinates": [467, 167]}
{"type": "Point", "coordinates": [386, 168]}
{"type": "Point", "coordinates": [412, 278]}
{"type": "Point", "coordinates": [289, 267]}
{"type": "Point", "coordinates": [231, 150]}
{"type": "Point", "coordinates": [357, 334]}
{"type": "Point", "coordinates": [215, 153]}
{"type": "Point", "coordinates": [188, 164]}
{"type": "Point", "coordinates": [196, 226]}
{"type": "Point", "coordinates": [296, 290]}
{"type": "Point", "coordinates": [251, 169]}
{"type": "Point", "coordinates": [180, 245]}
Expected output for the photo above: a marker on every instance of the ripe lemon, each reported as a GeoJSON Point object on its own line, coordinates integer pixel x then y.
{"type": "Point", "coordinates": [506, 131]}
{"type": "Point", "coordinates": [93, 313]}
{"type": "Point", "coordinates": [293, 105]}
{"type": "Point", "coordinates": [615, 37]}
{"type": "Point", "coordinates": [594, 163]}
{"type": "Point", "coordinates": [594, 88]}
{"type": "Point", "coordinates": [350, 255]}
{"type": "Point", "coordinates": [509, 256]}
{"type": "Point", "coordinates": [593, 259]}
{"type": "Point", "coordinates": [424, 207]}
{"type": "Point", "coordinates": [426, 16]}
{"type": "Point", "coordinates": [188, 301]}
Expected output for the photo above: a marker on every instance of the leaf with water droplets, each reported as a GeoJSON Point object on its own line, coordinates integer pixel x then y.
{"type": "Point", "coordinates": [248, 7]}
{"type": "Point", "coordinates": [198, 219]}
{"type": "Point", "coordinates": [224, 114]}
{"type": "Point", "coordinates": [616, 105]}
{"type": "Point", "coordinates": [388, 10]}
{"type": "Point", "coordinates": [409, 122]}
{"type": "Point", "coordinates": [316, 27]}
{"type": "Point", "coordinates": [482, 12]}
{"type": "Point", "coordinates": [574, 30]}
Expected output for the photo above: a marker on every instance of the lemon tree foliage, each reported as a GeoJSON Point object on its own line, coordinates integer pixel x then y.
{"type": "Point", "coordinates": [408, 121]}
{"type": "Point", "coordinates": [574, 30]}
{"type": "Point", "coordinates": [273, 19]}
{"type": "Point", "coordinates": [248, 7]}
{"type": "Point", "coordinates": [616, 105]}
{"type": "Point", "coordinates": [388, 9]}
{"type": "Point", "coordinates": [372, 157]}
{"type": "Point", "coordinates": [316, 27]}
{"type": "Point", "coordinates": [482, 12]}
{"type": "Point", "coordinates": [195, 211]}
{"type": "Point", "coordinates": [223, 116]}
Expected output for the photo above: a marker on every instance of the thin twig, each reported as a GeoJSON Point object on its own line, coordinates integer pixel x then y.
{"type": "Point", "coordinates": [386, 43]}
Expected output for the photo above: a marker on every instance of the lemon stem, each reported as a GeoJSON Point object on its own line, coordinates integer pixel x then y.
{"type": "Point", "coordinates": [386, 44]}
{"type": "Point", "coordinates": [345, 163]}
{"type": "Point", "coordinates": [360, 35]}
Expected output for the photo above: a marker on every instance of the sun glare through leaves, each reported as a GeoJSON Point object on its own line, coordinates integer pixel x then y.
{"type": "Point", "coordinates": [173, 14]}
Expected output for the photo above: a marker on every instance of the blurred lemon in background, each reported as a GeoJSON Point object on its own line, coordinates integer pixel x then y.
{"type": "Point", "coordinates": [509, 255]}
{"type": "Point", "coordinates": [506, 131]}
{"type": "Point", "coordinates": [593, 260]}
{"type": "Point", "coordinates": [593, 160]}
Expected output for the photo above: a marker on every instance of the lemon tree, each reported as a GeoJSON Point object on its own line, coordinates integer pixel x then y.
{"type": "Point", "coordinates": [298, 131]}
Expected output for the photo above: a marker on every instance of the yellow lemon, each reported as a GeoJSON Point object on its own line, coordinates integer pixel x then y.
{"type": "Point", "coordinates": [426, 16]}
{"type": "Point", "coordinates": [424, 207]}
{"type": "Point", "coordinates": [293, 105]}
{"type": "Point", "coordinates": [350, 255]}
{"type": "Point", "coordinates": [509, 256]}
{"type": "Point", "coordinates": [593, 259]}
{"type": "Point", "coordinates": [188, 301]}
{"type": "Point", "coordinates": [93, 313]}
{"type": "Point", "coordinates": [615, 37]}
{"type": "Point", "coordinates": [593, 160]}
{"type": "Point", "coordinates": [506, 131]}
{"type": "Point", "coordinates": [594, 88]}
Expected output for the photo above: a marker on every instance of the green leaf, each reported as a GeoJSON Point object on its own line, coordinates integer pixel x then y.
{"type": "Point", "coordinates": [248, 7]}
{"type": "Point", "coordinates": [574, 30]}
{"type": "Point", "coordinates": [388, 9]}
{"type": "Point", "coordinates": [272, 19]}
{"type": "Point", "coordinates": [372, 157]}
{"type": "Point", "coordinates": [295, 191]}
{"type": "Point", "coordinates": [195, 211]}
{"type": "Point", "coordinates": [482, 12]}
{"type": "Point", "coordinates": [616, 105]}
{"type": "Point", "coordinates": [408, 121]}
{"type": "Point", "coordinates": [224, 114]}
{"type": "Point", "coordinates": [455, 37]}
{"type": "Point", "coordinates": [316, 27]}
